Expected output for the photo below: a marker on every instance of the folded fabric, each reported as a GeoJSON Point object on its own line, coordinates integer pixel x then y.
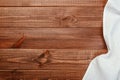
{"type": "Point", "coordinates": [107, 66]}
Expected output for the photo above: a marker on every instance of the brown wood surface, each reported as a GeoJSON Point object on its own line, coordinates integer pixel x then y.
{"type": "Point", "coordinates": [49, 39]}
{"type": "Point", "coordinates": [42, 74]}
{"type": "Point", "coordinates": [61, 59]}
{"type": "Point", "coordinates": [51, 3]}
{"type": "Point", "coordinates": [26, 17]}
{"type": "Point", "coordinates": [65, 64]}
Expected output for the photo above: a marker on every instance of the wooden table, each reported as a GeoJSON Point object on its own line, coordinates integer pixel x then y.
{"type": "Point", "coordinates": [49, 39]}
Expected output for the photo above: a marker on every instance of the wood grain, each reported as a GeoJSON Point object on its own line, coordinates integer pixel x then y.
{"type": "Point", "coordinates": [53, 38]}
{"type": "Point", "coordinates": [17, 17]}
{"type": "Point", "coordinates": [52, 3]}
{"type": "Point", "coordinates": [61, 59]}
{"type": "Point", "coordinates": [71, 30]}
{"type": "Point", "coordinates": [17, 64]}
{"type": "Point", "coordinates": [42, 74]}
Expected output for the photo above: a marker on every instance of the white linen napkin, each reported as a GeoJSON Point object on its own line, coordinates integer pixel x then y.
{"type": "Point", "coordinates": [107, 66]}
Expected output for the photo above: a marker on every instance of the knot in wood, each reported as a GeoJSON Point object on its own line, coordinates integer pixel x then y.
{"type": "Point", "coordinates": [43, 58]}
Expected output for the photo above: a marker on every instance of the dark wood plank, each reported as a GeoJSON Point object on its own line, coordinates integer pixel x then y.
{"type": "Point", "coordinates": [42, 74]}
{"type": "Point", "coordinates": [37, 24]}
{"type": "Point", "coordinates": [14, 17]}
{"type": "Point", "coordinates": [52, 3]}
{"type": "Point", "coordinates": [50, 38]}
{"type": "Point", "coordinates": [59, 59]}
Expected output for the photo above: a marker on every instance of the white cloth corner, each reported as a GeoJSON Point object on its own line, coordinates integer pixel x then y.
{"type": "Point", "coordinates": [107, 66]}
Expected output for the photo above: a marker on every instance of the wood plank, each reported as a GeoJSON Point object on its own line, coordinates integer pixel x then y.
{"type": "Point", "coordinates": [42, 74]}
{"type": "Point", "coordinates": [50, 38]}
{"type": "Point", "coordinates": [50, 17]}
{"type": "Point", "coordinates": [59, 59]}
{"type": "Point", "coordinates": [52, 3]}
{"type": "Point", "coordinates": [58, 44]}
{"type": "Point", "coordinates": [37, 24]}
{"type": "Point", "coordinates": [50, 33]}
